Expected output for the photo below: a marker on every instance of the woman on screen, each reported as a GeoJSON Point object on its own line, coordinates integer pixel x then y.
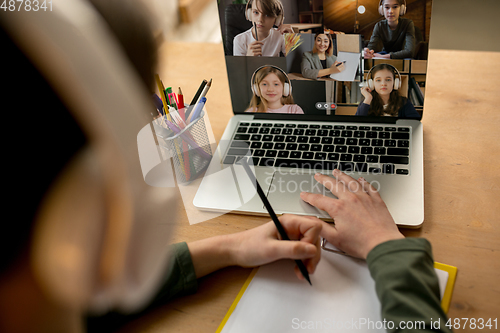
{"type": "Point", "coordinates": [272, 92]}
{"type": "Point", "coordinates": [382, 95]}
{"type": "Point", "coordinates": [320, 62]}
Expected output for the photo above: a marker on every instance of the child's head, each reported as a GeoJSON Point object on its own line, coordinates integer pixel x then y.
{"type": "Point", "coordinates": [266, 13]}
{"type": "Point", "coordinates": [384, 83]}
{"type": "Point", "coordinates": [392, 9]}
{"type": "Point", "coordinates": [271, 89]}
{"type": "Point", "coordinates": [323, 43]}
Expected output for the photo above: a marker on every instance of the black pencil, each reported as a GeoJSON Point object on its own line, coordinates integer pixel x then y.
{"type": "Point", "coordinates": [271, 212]}
{"type": "Point", "coordinates": [195, 98]}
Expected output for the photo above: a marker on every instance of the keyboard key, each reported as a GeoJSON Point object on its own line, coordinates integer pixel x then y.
{"type": "Point", "coordinates": [364, 142]}
{"type": "Point", "coordinates": [279, 146]}
{"type": "Point", "coordinates": [267, 145]}
{"type": "Point", "coordinates": [328, 148]}
{"type": "Point", "coordinates": [283, 153]}
{"type": "Point", "coordinates": [390, 129]}
{"type": "Point", "coordinates": [353, 150]}
{"type": "Point", "coordinates": [352, 142]}
{"type": "Point", "coordinates": [327, 127]}
{"type": "Point", "coordinates": [364, 128]}
{"type": "Point", "coordinates": [372, 159]}
{"type": "Point", "coordinates": [256, 137]}
{"type": "Point", "coordinates": [339, 141]}
{"type": "Point", "coordinates": [367, 150]}
{"type": "Point", "coordinates": [346, 157]}
{"type": "Point", "coordinates": [295, 154]}
{"type": "Point", "coordinates": [267, 125]}
{"type": "Point", "coordinates": [287, 131]}
{"type": "Point", "coordinates": [402, 172]}
{"type": "Point", "coordinates": [320, 156]}
{"type": "Point", "coordinates": [314, 126]}
{"type": "Point", "coordinates": [252, 130]}
{"type": "Point", "coordinates": [298, 131]}
{"type": "Point", "coordinates": [339, 127]}
{"type": "Point", "coordinates": [302, 126]}
{"type": "Point", "coordinates": [403, 129]}
{"type": "Point", "coordinates": [384, 135]}
{"type": "Point", "coordinates": [264, 130]}
{"type": "Point", "coordinates": [271, 153]}
{"type": "Point", "coordinates": [375, 170]}
{"type": "Point", "coordinates": [279, 138]}
{"type": "Point", "coordinates": [240, 144]}
{"type": "Point", "coordinates": [346, 166]}
{"type": "Point", "coordinates": [326, 141]}
{"type": "Point", "coordinates": [334, 133]}
{"type": "Point", "coordinates": [241, 130]}
{"type": "Point", "coordinates": [377, 128]}
{"type": "Point", "coordinates": [359, 134]}
{"type": "Point", "coordinates": [267, 138]}
{"type": "Point", "coordinates": [377, 143]}
{"type": "Point", "coordinates": [314, 139]}
{"type": "Point", "coordinates": [238, 151]}
{"type": "Point", "coordinates": [311, 132]}
{"type": "Point", "coordinates": [256, 145]}
{"type": "Point", "coordinates": [241, 137]}
{"type": "Point", "coordinates": [291, 125]}
{"type": "Point", "coordinates": [291, 146]}
{"type": "Point", "coordinates": [304, 147]}
{"type": "Point", "coordinates": [315, 148]}
{"type": "Point", "coordinates": [255, 124]}
{"type": "Point", "coordinates": [244, 124]}
{"type": "Point", "coordinates": [308, 155]}
{"type": "Point", "coordinates": [333, 156]}
{"type": "Point", "coordinates": [322, 132]}
{"type": "Point", "coordinates": [259, 152]}
{"type": "Point", "coordinates": [358, 158]}
{"type": "Point", "coordinates": [341, 149]}
{"type": "Point", "coordinates": [266, 162]}
{"type": "Point", "coordinates": [229, 160]}
{"type": "Point", "coordinates": [352, 128]}
{"type": "Point", "coordinates": [362, 167]}
{"type": "Point", "coordinates": [379, 151]}
{"type": "Point", "coordinates": [401, 136]}
{"type": "Point", "coordinates": [388, 168]}
{"type": "Point", "coordinates": [302, 139]}
{"type": "Point", "coordinates": [371, 135]}
{"type": "Point", "coordinates": [290, 138]}
{"type": "Point", "coordinates": [398, 151]}
{"type": "Point", "coordinates": [347, 134]}
{"type": "Point", "coordinates": [275, 130]}
{"type": "Point", "coordinates": [403, 143]}
{"type": "Point", "coordinates": [390, 143]}
{"type": "Point", "coordinates": [279, 125]}
{"type": "Point", "coordinates": [394, 159]}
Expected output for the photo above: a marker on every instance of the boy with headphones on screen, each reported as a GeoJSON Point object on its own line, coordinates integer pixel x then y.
{"type": "Point", "coordinates": [263, 39]}
{"type": "Point", "coordinates": [396, 34]}
{"type": "Point", "coordinates": [272, 92]}
{"type": "Point", "coordinates": [83, 230]}
{"type": "Point", "coordinates": [381, 94]}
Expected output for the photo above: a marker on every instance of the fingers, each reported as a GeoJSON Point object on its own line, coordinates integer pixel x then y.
{"type": "Point", "coordinates": [304, 228]}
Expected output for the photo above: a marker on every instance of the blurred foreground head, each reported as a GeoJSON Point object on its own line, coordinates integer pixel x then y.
{"type": "Point", "coordinates": [84, 229]}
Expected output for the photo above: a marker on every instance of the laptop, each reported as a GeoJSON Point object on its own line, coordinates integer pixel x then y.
{"type": "Point", "coordinates": [318, 132]}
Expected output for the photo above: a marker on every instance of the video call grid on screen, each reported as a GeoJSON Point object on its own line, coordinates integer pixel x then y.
{"type": "Point", "coordinates": [327, 96]}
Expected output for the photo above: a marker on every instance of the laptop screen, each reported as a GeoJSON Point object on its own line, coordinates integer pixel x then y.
{"type": "Point", "coordinates": [327, 57]}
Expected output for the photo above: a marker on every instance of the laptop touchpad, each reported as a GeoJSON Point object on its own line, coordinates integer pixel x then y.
{"type": "Point", "coordinates": [284, 193]}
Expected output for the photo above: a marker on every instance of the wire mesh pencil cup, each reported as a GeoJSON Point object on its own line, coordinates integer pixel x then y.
{"type": "Point", "coordinates": [189, 149]}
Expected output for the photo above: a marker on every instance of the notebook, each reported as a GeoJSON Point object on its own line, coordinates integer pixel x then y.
{"type": "Point", "coordinates": [342, 298]}
{"type": "Point", "coordinates": [311, 126]}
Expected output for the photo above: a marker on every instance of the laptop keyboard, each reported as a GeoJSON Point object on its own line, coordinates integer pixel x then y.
{"type": "Point", "coordinates": [378, 149]}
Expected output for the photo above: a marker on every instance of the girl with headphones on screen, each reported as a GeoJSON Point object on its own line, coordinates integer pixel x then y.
{"type": "Point", "coordinates": [396, 34]}
{"type": "Point", "coordinates": [263, 39]}
{"type": "Point", "coordinates": [320, 61]}
{"type": "Point", "coordinates": [382, 95]}
{"type": "Point", "coordinates": [272, 92]}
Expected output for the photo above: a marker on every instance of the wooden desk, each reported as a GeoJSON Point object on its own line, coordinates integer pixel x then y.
{"type": "Point", "coordinates": [462, 184]}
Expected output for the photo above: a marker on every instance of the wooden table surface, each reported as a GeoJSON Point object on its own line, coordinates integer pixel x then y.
{"type": "Point", "coordinates": [462, 183]}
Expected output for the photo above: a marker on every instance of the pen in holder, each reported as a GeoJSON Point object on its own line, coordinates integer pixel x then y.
{"type": "Point", "coordinates": [189, 147]}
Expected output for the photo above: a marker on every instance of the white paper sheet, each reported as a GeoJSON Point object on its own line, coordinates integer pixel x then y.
{"type": "Point", "coordinates": [351, 65]}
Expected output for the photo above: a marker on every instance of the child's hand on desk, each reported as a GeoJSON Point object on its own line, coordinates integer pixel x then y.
{"type": "Point", "coordinates": [285, 29]}
{"type": "Point", "coordinates": [362, 220]}
{"type": "Point", "coordinates": [262, 245]}
{"type": "Point", "coordinates": [255, 49]}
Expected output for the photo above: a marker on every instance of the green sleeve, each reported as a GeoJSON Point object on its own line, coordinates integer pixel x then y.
{"type": "Point", "coordinates": [407, 285]}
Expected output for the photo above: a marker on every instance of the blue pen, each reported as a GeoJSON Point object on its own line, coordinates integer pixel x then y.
{"type": "Point", "coordinates": [158, 104]}
{"type": "Point", "coordinates": [197, 109]}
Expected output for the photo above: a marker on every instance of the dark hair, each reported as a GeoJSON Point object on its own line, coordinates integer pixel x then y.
{"type": "Point", "coordinates": [396, 101]}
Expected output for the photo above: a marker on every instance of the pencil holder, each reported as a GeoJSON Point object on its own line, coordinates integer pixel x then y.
{"type": "Point", "coordinates": [188, 147]}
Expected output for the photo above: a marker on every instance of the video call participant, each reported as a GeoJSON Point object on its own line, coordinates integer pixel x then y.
{"type": "Point", "coordinates": [320, 62]}
{"type": "Point", "coordinates": [382, 97]}
{"type": "Point", "coordinates": [396, 34]}
{"type": "Point", "coordinates": [266, 41]}
{"type": "Point", "coordinates": [272, 92]}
